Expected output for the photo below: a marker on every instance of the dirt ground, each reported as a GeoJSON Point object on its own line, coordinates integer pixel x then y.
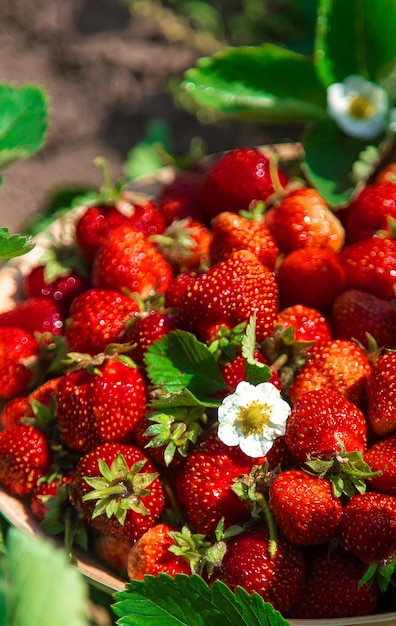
{"type": "Point", "coordinates": [106, 73]}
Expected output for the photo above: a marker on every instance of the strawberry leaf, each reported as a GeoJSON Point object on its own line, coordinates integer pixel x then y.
{"type": "Point", "coordinates": [189, 601]}
{"type": "Point", "coordinates": [179, 361]}
{"type": "Point", "coordinates": [13, 245]}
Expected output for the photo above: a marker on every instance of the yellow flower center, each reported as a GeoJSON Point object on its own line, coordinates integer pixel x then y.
{"type": "Point", "coordinates": [360, 107]}
{"type": "Point", "coordinates": [253, 418]}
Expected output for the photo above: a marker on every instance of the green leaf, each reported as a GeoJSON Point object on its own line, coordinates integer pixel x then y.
{"type": "Point", "coordinates": [329, 162]}
{"type": "Point", "coordinates": [55, 594]}
{"type": "Point", "coordinates": [189, 601]}
{"type": "Point", "coordinates": [179, 360]}
{"type": "Point", "coordinates": [151, 154]}
{"type": "Point", "coordinates": [23, 121]}
{"type": "Point", "coordinates": [263, 83]}
{"type": "Point", "coordinates": [14, 245]}
{"type": "Point", "coordinates": [355, 37]}
{"type": "Point", "coordinates": [183, 398]}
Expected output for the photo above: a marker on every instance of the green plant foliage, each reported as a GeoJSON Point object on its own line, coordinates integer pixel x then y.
{"type": "Point", "coordinates": [14, 245]}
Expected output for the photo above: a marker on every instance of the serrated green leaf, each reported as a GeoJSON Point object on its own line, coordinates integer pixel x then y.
{"type": "Point", "coordinates": [14, 245]}
{"type": "Point", "coordinates": [183, 398]}
{"type": "Point", "coordinates": [23, 121]}
{"type": "Point", "coordinates": [189, 601]}
{"type": "Point", "coordinates": [329, 159]}
{"type": "Point", "coordinates": [355, 37]}
{"type": "Point", "coordinates": [54, 578]}
{"type": "Point", "coordinates": [263, 83]}
{"type": "Point", "coordinates": [179, 360]}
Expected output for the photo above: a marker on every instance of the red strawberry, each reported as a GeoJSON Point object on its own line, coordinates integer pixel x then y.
{"type": "Point", "coordinates": [320, 422]}
{"type": "Point", "coordinates": [310, 276]}
{"type": "Point", "coordinates": [238, 178]}
{"type": "Point", "coordinates": [117, 490]}
{"type": "Point", "coordinates": [204, 483]}
{"type": "Point", "coordinates": [104, 406]}
{"type": "Point", "coordinates": [233, 232]}
{"type": "Point", "coordinates": [303, 219]}
{"type": "Point", "coordinates": [228, 294]}
{"type": "Point", "coordinates": [62, 288]}
{"type": "Point", "coordinates": [148, 329]}
{"type": "Point", "coordinates": [111, 551]}
{"type": "Point", "coordinates": [94, 226]}
{"type": "Point", "coordinates": [99, 317]}
{"type": "Point", "coordinates": [43, 493]}
{"type": "Point", "coordinates": [386, 174]}
{"type": "Point", "coordinates": [234, 371]}
{"type": "Point", "coordinates": [368, 526]}
{"type": "Point", "coordinates": [35, 315]}
{"type": "Point", "coordinates": [309, 324]}
{"type": "Point", "coordinates": [18, 352]}
{"type": "Point", "coordinates": [333, 589]}
{"type": "Point", "coordinates": [381, 457]}
{"type": "Point", "coordinates": [151, 554]}
{"type": "Point", "coordinates": [175, 292]}
{"type": "Point", "coordinates": [369, 212]}
{"type": "Point", "coordinates": [178, 199]}
{"type": "Point", "coordinates": [24, 457]}
{"type": "Point", "coordinates": [184, 244]}
{"type": "Point", "coordinates": [338, 365]}
{"type": "Point", "coordinates": [381, 394]}
{"type": "Point", "coordinates": [370, 266]}
{"type": "Point", "coordinates": [128, 261]}
{"type": "Point", "coordinates": [278, 579]}
{"type": "Point", "coordinates": [142, 211]}
{"type": "Point", "coordinates": [15, 410]}
{"type": "Point", "coordinates": [355, 313]}
{"type": "Point", "coordinates": [304, 507]}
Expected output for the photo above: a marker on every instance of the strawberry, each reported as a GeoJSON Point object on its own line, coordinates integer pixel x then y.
{"type": "Point", "coordinates": [184, 244]}
{"type": "Point", "coordinates": [381, 456]}
{"type": "Point", "coordinates": [234, 371]}
{"type": "Point", "coordinates": [126, 260]}
{"type": "Point", "coordinates": [175, 292]}
{"type": "Point", "coordinates": [100, 406]}
{"type": "Point", "coordinates": [178, 198]}
{"type": "Point", "coordinates": [15, 411]}
{"type": "Point", "coordinates": [148, 329]}
{"type": "Point", "coordinates": [231, 232]}
{"type": "Point", "coordinates": [386, 174]}
{"type": "Point", "coordinates": [381, 395]}
{"type": "Point", "coordinates": [355, 314]}
{"type": "Point", "coordinates": [304, 507]}
{"type": "Point", "coordinates": [18, 352]}
{"type": "Point", "coordinates": [310, 276]}
{"type": "Point", "coordinates": [370, 266]}
{"type": "Point", "coordinates": [24, 458]}
{"type": "Point", "coordinates": [111, 551]}
{"type": "Point", "coordinates": [303, 219]}
{"type": "Point", "coordinates": [35, 315]}
{"type": "Point", "coordinates": [118, 491]}
{"type": "Point", "coordinates": [142, 211]}
{"type": "Point", "coordinates": [369, 211]}
{"type": "Point", "coordinates": [62, 288]}
{"type": "Point", "coordinates": [43, 493]}
{"type": "Point", "coordinates": [151, 554]}
{"type": "Point", "coordinates": [368, 526]}
{"type": "Point", "coordinates": [99, 317]}
{"type": "Point", "coordinates": [333, 588]}
{"type": "Point", "coordinates": [94, 226]}
{"type": "Point", "coordinates": [248, 563]}
{"type": "Point", "coordinates": [321, 420]}
{"type": "Point", "coordinates": [204, 482]}
{"type": "Point", "coordinates": [227, 294]}
{"type": "Point", "coordinates": [238, 178]}
{"type": "Point", "coordinates": [338, 365]}
{"type": "Point", "coordinates": [309, 324]}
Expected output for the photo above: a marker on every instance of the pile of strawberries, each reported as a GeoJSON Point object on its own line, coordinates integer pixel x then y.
{"type": "Point", "coordinates": [105, 451]}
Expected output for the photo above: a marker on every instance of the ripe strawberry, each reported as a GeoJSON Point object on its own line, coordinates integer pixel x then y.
{"type": "Point", "coordinates": [111, 551]}
{"type": "Point", "coordinates": [278, 579]}
{"type": "Point", "coordinates": [381, 456]}
{"type": "Point", "coordinates": [151, 554]}
{"type": "Point", "coordinates": [42, 495]}
{"type": "Point", "coordinates": [228, 294]}
{"type": "Point", "coordinates": [15, 411]}
{"type": "Point", "coordinates": [304, 507]}
{"type": "Point", "coordinates": [178, 199]}
{"type": "Point", "coordinates": [126, 260]}
{"type": "Point", "coordinates": [35, 315]}
{"type": "Point", "coordinates": [386, 174]}
{"type": "Point", "coordinates": [333, 588]}
{"type": "Point", "coordinates": [18, 352]}
{"type": "Point", "coordinates": [94, 226]}
{"type": "Point", "coordinates": [303, 219]}
{"type": "Point", "coordinates": [231, 232]}
{"type": "Point", "coordinates": [321, 420]}
{"type": "Point", "coordinates": [381, 395]}
{"type": "Point", "coordinates": [98, 407]}
{"type": "Point", "coordinates": [148, 329]}
{"type": "Point", "coordinates": [338, 365]}
{"type": "Point", "coordinates": [143, 212]}
{"type": "Point", "coordinates": [24, 457]}
{"type": "Point", "coordinates": [238, 178]}
{"type": "Point", "coordinates": [118, 491]}
{"type": "Point", "coordinates": [203, 484]}
{"type": "Point", "coordinates": [99, 317]}
{"type": "Point", "coordinates": [62, 288]}
{"type": "Point", "coordinates": [368, 526]}
{"type": "Point", "coordinates": [234, 371]}
{"type": "Point", "coordinates": [369, 212]}
{"type": "Point", "coordinates": [310, 276]}
{"type": "Point", "coordinates": [175, 292]}
{"type": "Point", "coordinates": [370, 266]}
{"type": "Point", "coordinates": [355, 313]}
{"type": "Point", "coordinates": [309, 324]}
{"type": "Point", "coordinates": [184, 244]}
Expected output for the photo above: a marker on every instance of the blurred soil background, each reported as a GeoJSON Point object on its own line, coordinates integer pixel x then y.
{"type": "Point", "coordinates": [110, 68]}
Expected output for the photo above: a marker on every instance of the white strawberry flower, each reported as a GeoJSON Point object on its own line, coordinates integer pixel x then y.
{"type": "Point", "coordinates": [252, 418]}
{"type": "Point", "coordinates": [360, 108]}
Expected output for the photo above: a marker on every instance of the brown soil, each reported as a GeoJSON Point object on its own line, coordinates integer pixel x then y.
{"type": "Point", "coordinates": [106, 73]}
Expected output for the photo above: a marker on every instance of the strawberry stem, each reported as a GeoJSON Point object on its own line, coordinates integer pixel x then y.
{"type": "Point", "coordinates": [263, 504]}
